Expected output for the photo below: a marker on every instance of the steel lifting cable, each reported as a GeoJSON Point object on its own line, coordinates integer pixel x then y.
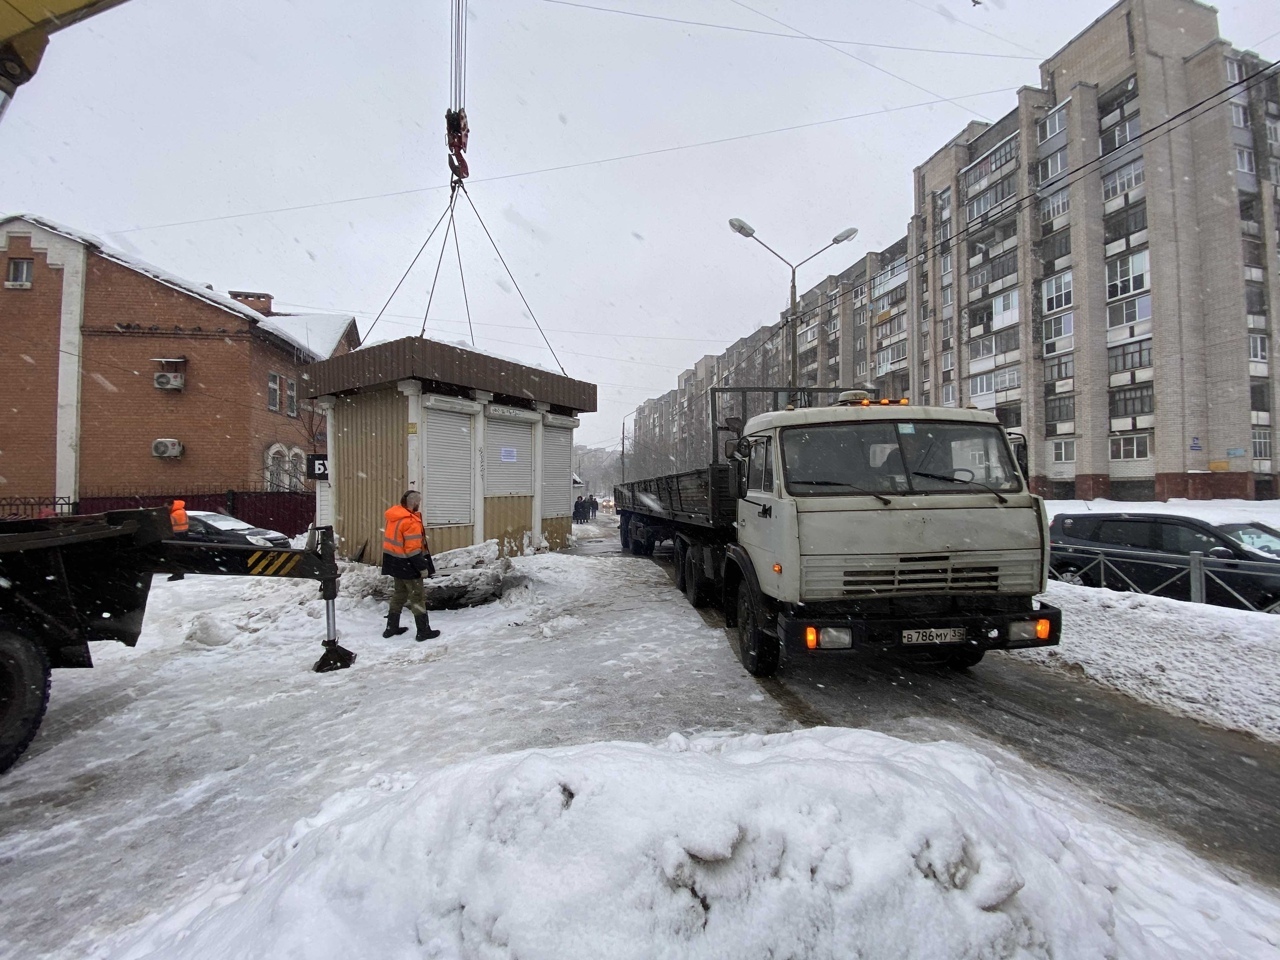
{"type": "Point", "coordinates": [453, 197]}
{"type": "Point", "coordinates": [404, 276]}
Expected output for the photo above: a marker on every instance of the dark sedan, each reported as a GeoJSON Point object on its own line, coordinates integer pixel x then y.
{"type": "Point", "coordinates": [220, 528]}
{"type": "Point", "coordinates": [1151, 553]}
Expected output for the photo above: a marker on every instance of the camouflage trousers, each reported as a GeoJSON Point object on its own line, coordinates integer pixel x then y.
{"type": "Point", "coordinates": [408, 593]}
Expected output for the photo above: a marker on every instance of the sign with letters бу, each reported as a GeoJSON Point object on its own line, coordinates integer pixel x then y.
{"type": "Point", "coordinates": [317, 466]}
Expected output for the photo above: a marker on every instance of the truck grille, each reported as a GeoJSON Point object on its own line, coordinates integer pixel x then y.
{"type": "Point", "coordinates": [978, 572]}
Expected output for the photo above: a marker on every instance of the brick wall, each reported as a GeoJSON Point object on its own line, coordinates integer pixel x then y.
{"type": "Point", "coordinates": [29, 376]}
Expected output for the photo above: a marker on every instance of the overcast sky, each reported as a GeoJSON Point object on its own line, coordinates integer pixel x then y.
{"type": "Point", "coordinates": [178, 129]}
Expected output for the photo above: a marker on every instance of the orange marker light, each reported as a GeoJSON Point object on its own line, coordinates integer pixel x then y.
{"type": "Point", "coordinates": [777, 568]}
{"type": "Point", "coordinates": [884, 403]}
{"type": "Point", "coordinates": [1042, 629]}
{"type": "Point", "coordinates": [904, 401]}
{"type": "Point", "coordinates": [811, 637]}
{"type": "Point", "coordinates": [866, 403]}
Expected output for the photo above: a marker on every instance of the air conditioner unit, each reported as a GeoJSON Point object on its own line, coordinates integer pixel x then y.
{"type": "Point", "coordinates": [166, 448]}
{"type": "Point", "coordinates": [169, 381]}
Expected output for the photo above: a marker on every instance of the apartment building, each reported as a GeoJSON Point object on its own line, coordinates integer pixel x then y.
{"type": "Point", "coordinates": [1098, 268]}
{"type": "Point", "coordinates": [1103, 259]}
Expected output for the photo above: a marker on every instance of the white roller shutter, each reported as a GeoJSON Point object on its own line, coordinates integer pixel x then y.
{"type": "Point", "coordinates": [508, 458]}
{"type": "Point", "coordinates": [557, 472]}
{"type": "Point", "coordinates": [447, 468]}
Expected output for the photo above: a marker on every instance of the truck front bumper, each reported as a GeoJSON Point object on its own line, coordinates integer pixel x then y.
{"type": "Point", "coordinates": [807, 630]}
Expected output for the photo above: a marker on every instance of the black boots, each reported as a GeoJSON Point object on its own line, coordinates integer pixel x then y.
{"type": "Point", "coordinates": [393, 625]}
{"type": "Point", "coordinates": [424, 628]}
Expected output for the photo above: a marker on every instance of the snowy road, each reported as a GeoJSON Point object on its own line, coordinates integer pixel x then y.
{"type": "Point", "coordinates": [1215, 788]}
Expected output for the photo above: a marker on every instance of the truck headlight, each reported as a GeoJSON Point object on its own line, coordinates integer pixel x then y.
{"type": "Point", "coordinates": [1030, 630]}
{"type": "Point", "coordinates": [835, 638]}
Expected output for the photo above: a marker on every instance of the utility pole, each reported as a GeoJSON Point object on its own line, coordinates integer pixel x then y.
{"type": "Point", "coordinates": [623, 455]}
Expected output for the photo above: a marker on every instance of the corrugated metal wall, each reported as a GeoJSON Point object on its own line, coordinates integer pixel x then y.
{"type": "Point", "coordinates": [370, 453]}
{"type": "Point", "coordinates": [507, 520]}
{"type": "Point", "coordinates": [557, 473]}
{"type": "Point", "coordinates": [557, 530]}
{"type": "Point", "coordinates": [449, 538]}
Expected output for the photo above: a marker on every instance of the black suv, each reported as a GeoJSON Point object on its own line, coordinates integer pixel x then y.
{"type": "Point", "coordinates": [1174, 539]}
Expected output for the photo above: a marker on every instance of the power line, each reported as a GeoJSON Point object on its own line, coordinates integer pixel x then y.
{"type": "Point", "coordinates": [861, 60]}
{"type": "Point", "coordinates": [565, 166]}
{"type": "Point", "coordinates": [972, 26]}
{"type": "Point", "coordinates": [790, 36]}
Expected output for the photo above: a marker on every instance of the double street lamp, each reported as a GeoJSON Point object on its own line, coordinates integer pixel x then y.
{"type": "Point", "coordinates": [745, 229]}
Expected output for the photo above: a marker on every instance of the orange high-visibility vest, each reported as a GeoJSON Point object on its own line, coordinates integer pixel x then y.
{"type": "Point", "coordinates": [178, 517]}
{"type": "Point", "coordinates": [403, 536]}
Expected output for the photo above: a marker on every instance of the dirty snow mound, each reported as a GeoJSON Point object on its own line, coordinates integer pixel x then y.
{"type": "Point", "coordinates": [822, 844]}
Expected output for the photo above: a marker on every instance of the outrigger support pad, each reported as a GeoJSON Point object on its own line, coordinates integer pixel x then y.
{"type": "Point", "coordinates": [335, 656]}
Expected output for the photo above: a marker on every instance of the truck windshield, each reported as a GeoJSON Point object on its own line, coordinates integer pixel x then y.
{"type": "Point", "coordinates": [843, 459]}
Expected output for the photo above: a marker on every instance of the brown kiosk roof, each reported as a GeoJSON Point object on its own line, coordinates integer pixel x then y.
{"type": "Point", "coordinates": [414, 358]}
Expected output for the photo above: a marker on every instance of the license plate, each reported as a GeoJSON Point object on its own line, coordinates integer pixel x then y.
{"type": "Point", "coordinates": [934, 635]}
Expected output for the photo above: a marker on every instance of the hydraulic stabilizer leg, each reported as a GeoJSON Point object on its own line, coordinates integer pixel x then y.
{"type": "Point", "coordinates": [335, 656]}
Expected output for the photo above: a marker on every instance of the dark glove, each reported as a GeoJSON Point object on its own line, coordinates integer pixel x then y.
{"type": "Point", "coordinates": [431, 567]}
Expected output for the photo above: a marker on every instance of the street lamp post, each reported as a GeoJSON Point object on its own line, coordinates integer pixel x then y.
{"type": "Point", "coordinates": [742, 228]}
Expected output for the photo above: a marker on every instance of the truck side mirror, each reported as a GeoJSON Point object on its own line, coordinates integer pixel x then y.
{"type": "Point", "coordinates": [730, 448]}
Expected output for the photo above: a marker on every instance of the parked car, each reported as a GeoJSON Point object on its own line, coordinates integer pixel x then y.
{"type": "Point", "coordinates": [1259, 536]}
{"type": "Point", "coordinates": [220, 528]}
{"type": "Point", "coordinates": [1168, 542]}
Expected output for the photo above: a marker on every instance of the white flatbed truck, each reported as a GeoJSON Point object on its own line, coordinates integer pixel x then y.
{"type": "Point", "coordinates": [871, 525]}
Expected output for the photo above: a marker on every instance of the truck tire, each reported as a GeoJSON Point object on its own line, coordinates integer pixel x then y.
{"type": "Point", "coordinates": [624, 530]}
{"type": "Point", "coordinates": [637, 546]}
{"type": "Point", "coordinates": [24, 694]}
{"type": "Point", "coordinates": [696, 586]}
{"type": "Point", "coordinates": [680, 549]}
{"type": "Point", "coordinates": [759, 651]}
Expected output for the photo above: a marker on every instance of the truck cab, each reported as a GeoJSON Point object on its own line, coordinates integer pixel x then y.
{"type": "Point", "coordinates": [889, 525]}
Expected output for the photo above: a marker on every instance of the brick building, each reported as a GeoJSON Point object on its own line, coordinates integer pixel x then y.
{"type": "Point", "coordinates": [117, 376]}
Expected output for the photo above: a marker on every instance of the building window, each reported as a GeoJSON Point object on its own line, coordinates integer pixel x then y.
{"type": "Point", "coordinates": [948, 394]}
{"type": "Point", "coordinates": [1262, 443]}
{"type": "Point", "coordinates": [990, 162]}
{"type": "Point", "coordinates": [948, 295]}
{"type": "Point", "coordinates": [946, 263]}
{"type": "Point", "coordinates": [1056, 245]}
{"type": "Point", "coordinates": [1275, 170]}
{"type": "Point", "coordinates": [1129, 356]}
{"type": "Point", "coordinates": [1056, 328]}
{"type": "Point", "coordinates": [1127, 274]}
{"type": "Point", "coordinates": [1244, 160]}
{"type": "Point", "coordinates": [1051, 166]}
{"type": "Point", "coordinates": [1240, 116]}
{"type": "Point", "coordinates": [948, 360]}
{"type": "Point", "coordinates": [1273, 131]}
{"type": "Point", "coordinates": [1123, 179]}
{"type": "Point", "coordinates": [1257, 346]}
{"type": "Point", "coordinates": [291, 398]}
{"type": "Point", "coordinates": [20, 271]}
{"type": "Point", "coordinates": [944, 203]}
{"type": "Point", "coordinates": [273, 391]}
{"type": "Point", "coordinates": [1135, 446]}
{"type": "Point", "coordinates": [1235, 71]}
{"type": "Point", "coordinates": [1259, 397]}
{"type": "Point", "coordinates": [990, 197]}
{"type": "Point", "coordinates": [1004, 309]}
{"type": "Point", "coordinates": [1060, 368]}
{"type": "Point", "coordinates": [1255, 300]}
{"type": "Point", "coordinates": [982, 383]}
{"type": "Point", "coordinates": [1129, 311]}
{"type": "Point", "coordinates": [1055, 205]}
{"type": "Point", "coordinates": [1057, 292]}
{"type": "Point", "coordinates": [861, 344]}
{"type": "Point", "coordinates": [1124, 223]}
{"type": "Point", "coordinates": [1122, 133]}
{"type": "Point", "coordinates": [862, 368]}
{"type": "Point", "coordinates": [1133, 401]}
{"type": "Point", "coordinates": [1064, 451]}
{"type": "Point", "coordinates": [1059, 409]}
{"type": "Point", "coordinates": [1055, 122]}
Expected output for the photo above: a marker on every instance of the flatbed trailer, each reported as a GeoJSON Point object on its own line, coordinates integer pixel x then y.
{"type": "Point", "coordinates": [66, 582]}
{"type": "Point", "coordinates": [862, 525]}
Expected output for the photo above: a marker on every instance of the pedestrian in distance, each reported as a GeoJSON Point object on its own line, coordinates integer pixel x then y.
{"type": "Point", "coordinates": [405, 557]}
{"type": "Point", "coordinates": [577, 511]}
{"type": "Point", "coordinates": [595, 505]}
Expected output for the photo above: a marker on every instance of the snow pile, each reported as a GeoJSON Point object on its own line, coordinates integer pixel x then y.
{"type": "Point", "coordinates": [1218, 665]}
{"type": "Point", "coordinates": [825, 843]}
{"type": "Point", "coordinates": [1211, 511]}
{"type": "Point", "coordinates": [465, 577]}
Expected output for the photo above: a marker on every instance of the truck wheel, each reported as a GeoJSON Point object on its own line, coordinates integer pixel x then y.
{"type": "Point", "coordinates": [650, 541]}
{"type": "Point", "coordinates": [1074, 575]}
{"type": "Point", "coordinates": [696, 587]}
{"type": "Point", "coordinates": [624, 530]}
{"type": "Point", "coordinates": [637, 547]}
{"type": "Point", "coordinates": [678, 562]}
{"type": "Point", "coordinates": [759, 652]}
{"type": "Point", "coordinates": [24, 695]}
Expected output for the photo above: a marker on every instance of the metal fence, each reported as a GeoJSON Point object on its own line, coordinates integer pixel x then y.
{"type": "Point", "coordinates": [1243, 584]}
{"type": "Point", "coordinates": [23, 508]}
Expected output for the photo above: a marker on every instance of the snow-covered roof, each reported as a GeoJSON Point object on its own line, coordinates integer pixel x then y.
{"type": "Point", "coordinates": [315, 333]}
{"type": "Point", "coordinates": [104, 249]}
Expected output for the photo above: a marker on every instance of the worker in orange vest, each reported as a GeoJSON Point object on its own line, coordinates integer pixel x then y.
{"type": "Point", "coordinates": [405, 557]}
{"type": "Point", "coordinates": [178, 519]}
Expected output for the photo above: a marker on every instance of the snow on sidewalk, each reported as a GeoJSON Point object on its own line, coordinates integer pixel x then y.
{"type": "Point", "coordinates": [1211, 511]}
{"type": "Point", "coordinates": [821, 844]}
{"type": "Point", "coordinates": [1218, 665]}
